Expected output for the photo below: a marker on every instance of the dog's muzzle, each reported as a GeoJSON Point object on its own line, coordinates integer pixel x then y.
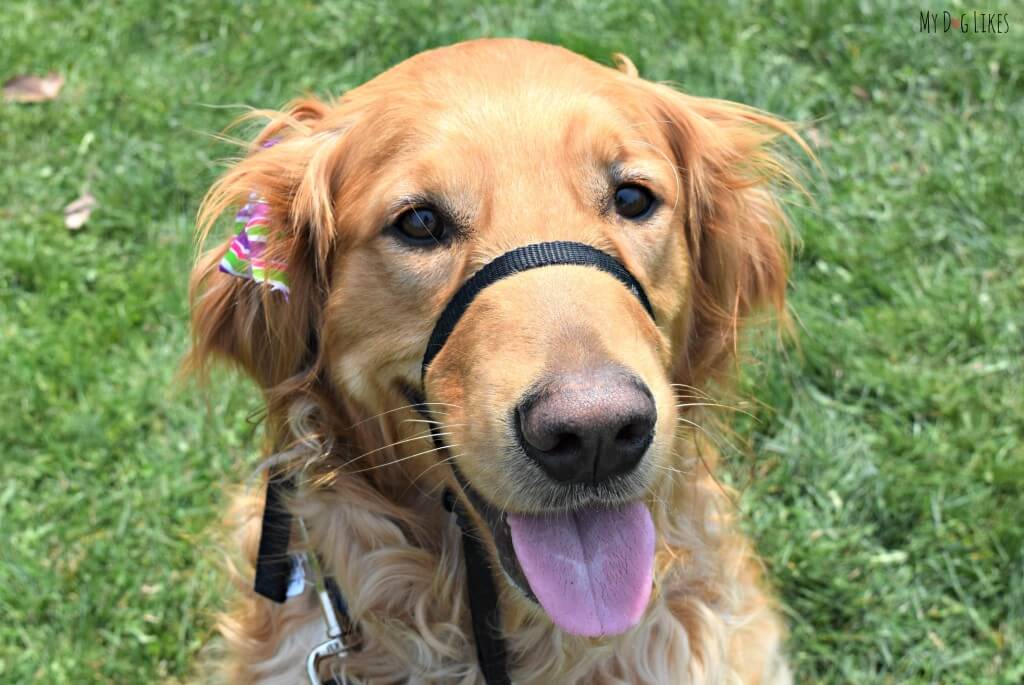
{"type": "Point", "coordinates": [632, 520]}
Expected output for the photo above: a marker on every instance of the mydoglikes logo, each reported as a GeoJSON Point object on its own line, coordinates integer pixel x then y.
{"type": "Point", "coordinates": [964, 22]}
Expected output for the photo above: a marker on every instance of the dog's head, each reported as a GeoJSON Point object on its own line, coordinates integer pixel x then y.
{"type": "Point", "coordinates": [556, 391]}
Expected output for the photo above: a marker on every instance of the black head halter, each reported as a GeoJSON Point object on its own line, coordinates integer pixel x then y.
{"type": "Point", "coordinates": [272, 574]}
{"type": "Point", "coordinates": [483, 595]}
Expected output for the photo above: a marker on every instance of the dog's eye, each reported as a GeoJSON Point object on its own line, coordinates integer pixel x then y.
{"type": "Point", "coordinates": [421, 226]}
{"type": "Point", "coordinates": [633, 201]}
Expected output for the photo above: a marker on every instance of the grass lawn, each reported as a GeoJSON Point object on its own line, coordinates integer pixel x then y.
{"type": "Point", "coordinates": [881, 477]}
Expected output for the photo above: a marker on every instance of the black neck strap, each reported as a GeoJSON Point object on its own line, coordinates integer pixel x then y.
{"type": "Point", "coordinates": [483, 597]}
{"type": "Point", "coordinates": [273, 565]}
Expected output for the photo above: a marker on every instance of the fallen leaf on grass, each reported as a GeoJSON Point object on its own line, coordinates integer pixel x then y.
{"type": "Point", "coordinates": [860, 93]}
{"type": "Point", "coordinates": [78, 212]}
{"type": "Point", "coordinates": [29, 88]}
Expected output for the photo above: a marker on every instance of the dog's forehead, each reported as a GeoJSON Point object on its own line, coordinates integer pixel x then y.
{"type": "Point", "coordinates": [487, 90]}
{"type": "Point", "coordinates": [485, 60]}
{"type": "Point", "coordinates": [506, 132]}
{"type": "Point", "coordinates": [519, 158]}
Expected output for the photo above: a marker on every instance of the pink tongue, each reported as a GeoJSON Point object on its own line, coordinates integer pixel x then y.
{"type": "Point", "coordinates": [591, 570]}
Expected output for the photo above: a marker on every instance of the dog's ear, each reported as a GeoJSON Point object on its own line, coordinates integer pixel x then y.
{"type": "Point", "coordinates": [736, 230]}
{"type": "Point", "coordinates": [292, 166]}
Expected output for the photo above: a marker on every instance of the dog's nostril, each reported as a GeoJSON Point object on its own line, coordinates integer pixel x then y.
{"type": "Point", "coordinates": [566, 443]}
{"type": "Point", "coordinates": [588, 426]}
{"type": "Point", "coordinates": [632, 433]}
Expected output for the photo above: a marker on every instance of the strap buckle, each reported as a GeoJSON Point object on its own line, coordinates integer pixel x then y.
{"type": "Point", "coordinates": [334, 647]}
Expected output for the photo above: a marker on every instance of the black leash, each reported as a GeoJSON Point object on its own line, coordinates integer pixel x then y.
{"type": "Point", "coordinates": [272, 563]}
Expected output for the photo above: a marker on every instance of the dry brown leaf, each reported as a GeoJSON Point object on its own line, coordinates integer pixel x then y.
{"type": "Point", "coordinates": [29, 88]}
{"type": "Point", "coordinates": [78, 212]}
{"type": "Point", "coordinates": [860, 93]}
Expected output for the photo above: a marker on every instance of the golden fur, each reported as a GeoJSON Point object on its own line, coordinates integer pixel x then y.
{"type": "Point", "coordinates": [518, 138]}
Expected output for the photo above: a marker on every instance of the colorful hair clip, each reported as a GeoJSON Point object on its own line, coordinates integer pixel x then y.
{"type": "Point", "coordinates": [244, 257]}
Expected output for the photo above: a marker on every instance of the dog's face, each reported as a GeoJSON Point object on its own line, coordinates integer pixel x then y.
{"type": "Point", "coordinates": [555, 392]}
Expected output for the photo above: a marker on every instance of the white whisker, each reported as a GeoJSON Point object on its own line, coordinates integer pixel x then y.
{"type": "Point", "coordinates": [399, 460]}
{"type": "Point", "coordinates": [425, 436]}
{"type": "Point", "coordinates": [414, 407]}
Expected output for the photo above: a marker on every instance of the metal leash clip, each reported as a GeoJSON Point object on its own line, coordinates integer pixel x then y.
{"type": "Point", "coordinates": [335, 646]}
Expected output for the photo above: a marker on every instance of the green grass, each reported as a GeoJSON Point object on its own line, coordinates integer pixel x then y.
{"type": "Point", "coordinates": [882, 485]}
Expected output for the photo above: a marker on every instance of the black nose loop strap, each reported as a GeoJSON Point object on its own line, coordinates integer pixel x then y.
{"type": "Point", "coordinates": [516, 261]}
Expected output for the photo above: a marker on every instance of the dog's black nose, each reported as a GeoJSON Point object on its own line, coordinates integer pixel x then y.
{"type": "Point", "coordinates": [588, 426]}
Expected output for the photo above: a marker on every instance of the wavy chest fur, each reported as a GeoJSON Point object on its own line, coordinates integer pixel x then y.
{"type": "Point", "coordinates": [400, 568]}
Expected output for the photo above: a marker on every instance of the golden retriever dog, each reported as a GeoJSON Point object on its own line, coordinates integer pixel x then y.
{"type": "Point", "coordinates": [566, 410]}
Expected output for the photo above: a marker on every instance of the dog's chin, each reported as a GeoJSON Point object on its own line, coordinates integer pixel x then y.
{"type": "Point", "coordinates": [589, 567]}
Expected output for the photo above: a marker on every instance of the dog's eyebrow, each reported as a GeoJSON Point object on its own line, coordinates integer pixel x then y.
{"type": "Point", "coordinates": [619, 172]}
